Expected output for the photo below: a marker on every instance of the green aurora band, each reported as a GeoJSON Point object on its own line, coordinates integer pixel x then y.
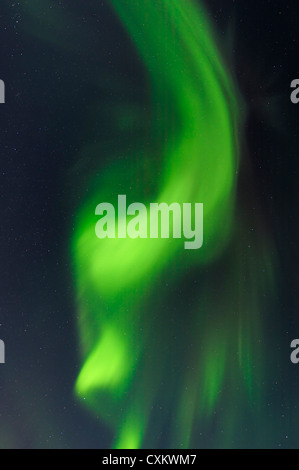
{"type": "Point", "coordinates": [144, 373]}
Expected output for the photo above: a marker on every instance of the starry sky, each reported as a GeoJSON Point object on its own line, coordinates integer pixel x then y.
{"type": "Point", "coordinates": [59, 58]}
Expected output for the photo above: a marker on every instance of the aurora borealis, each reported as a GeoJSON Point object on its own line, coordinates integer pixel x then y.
{"type": "Point", "coordinates": [139, 343]}
{"type": "Point", "coordinates": [196, 120]}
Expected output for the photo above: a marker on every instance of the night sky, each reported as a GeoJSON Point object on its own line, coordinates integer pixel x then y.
{"type": "Point", "coordinates": [75, 91]}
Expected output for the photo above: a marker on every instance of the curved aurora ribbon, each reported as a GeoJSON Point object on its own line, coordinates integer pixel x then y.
{"type": "Point", "coordinates": [133, 354]}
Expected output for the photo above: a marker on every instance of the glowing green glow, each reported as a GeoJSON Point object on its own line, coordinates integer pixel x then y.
{"type": "Point", "coordinates": [185, 79]}
{"type": "Point", "coordinates": [112, 371]}
{"type": "Point", "coordinates": [193, 135]}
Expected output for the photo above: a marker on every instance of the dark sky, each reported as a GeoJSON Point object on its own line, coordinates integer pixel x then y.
{"type": "Point", "coordinates": [50, 75]}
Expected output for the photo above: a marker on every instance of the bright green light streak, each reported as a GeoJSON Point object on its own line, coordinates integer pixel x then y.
{"type": "Point", "coordinates": [194, 122]}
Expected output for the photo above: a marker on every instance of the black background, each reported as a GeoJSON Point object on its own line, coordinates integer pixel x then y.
{"type": "Point", "coordinates": [45, 121]}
